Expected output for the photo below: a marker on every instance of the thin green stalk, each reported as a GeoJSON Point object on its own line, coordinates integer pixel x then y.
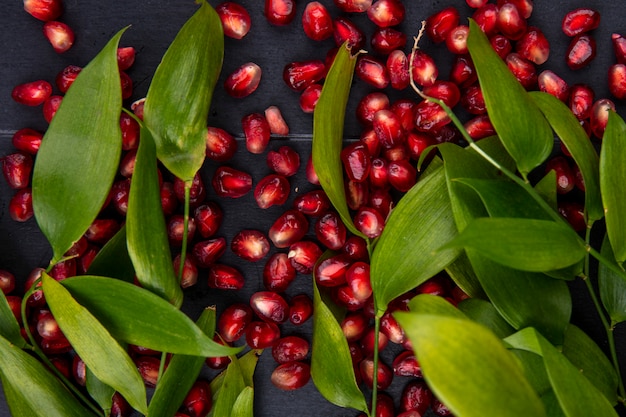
{"type": "Point", "coordinates": [375, 376]}
{"type": "Point", "coordinates": [183, 250]}
{"type": "Point", "coordinates": [162, 366]}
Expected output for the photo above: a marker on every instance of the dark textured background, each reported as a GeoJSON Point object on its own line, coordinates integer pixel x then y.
{"type": "Point", "coordinates": [25, 56]}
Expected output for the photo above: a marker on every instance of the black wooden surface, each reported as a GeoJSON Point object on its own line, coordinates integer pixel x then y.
{"type": "Point", "coordinates": [25, 55]}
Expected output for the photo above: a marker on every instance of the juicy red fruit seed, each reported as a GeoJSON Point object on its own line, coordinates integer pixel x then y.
{"type": "Point", "coordinates": [564, 174]}
{"type": "Point", "coordinates": [479, 127]}
{"type": "Point", "coordinates": [501, 45]}
{"type": "Point", "coordinates": [456, 41]}
{"type": "Point", "coordinates": [220, 145]}
{"type": "Point", "coordinates": [224, 277]}
{"type": "Point", "coordinates": [303, 256]}
{"type": "Point", "coordinates": [289, 349]}
{"type": "Point", "coordinates": [289, 228]}
{"type": "Point", "coordinates": [353, 6]}
{"type": "Point", "coordinates": [207, 252]}
{"type": "Point", "coordinates": [430, 117]}
{"type": "Point", "coordinates": [50, 107]}
{"type": "Point", "coordinates": [300, 309]}
{"type": "Point", "coordinates": [27, 140]}
{"type": "Point", "coordinates": [125, 57]}
{"type": "Point", "coordinates": [277, 123]}
{"type": "Point", "coordinates": [127, 85]}
{"type": "Point", "coordinates": [402, 175]}
{"type": "Point", "coordinates": [44, 10]}
{"type": "Point", "coordinates": [291, 376]}
{"type": "Point", "coordinates": [278, 272]}
{"type": "Point", "coordinates": [522, 69]}
{"type": "Point", "coordinates": [619, 47]}
{"type": "Point", "coordinates": [533, 46]}
{"type": "Point", "coordinates": [356, 161]}
{"type": "Point", "coordinates": [243, 81]}
{"type": "Point", "coordinates": [330, 231]}
{"type": "Point", "coordinates": [17, 168]}
{"type": "Point", "coordinates": [130, 132]}
{"type": "Point", "coordinates": [369, 105]}
{"type": "Point", "coordinates": [369, 222]}
{"type": "Point", "coordinates": [300, 75]}
{"type": "Point", "coordinates": [424, 69]}
{"type": "Point", "coordinates": [331, 272]}
{"type": "Point", "coordinates": [312, 203]}
{"type": "Point", "coordinates": [358, 278]}
{"type": "Point", "coordinates": [7, 282]}
{"type": "Point", "coordinates": [617, 81]}
{"type": "Point", "coordinates": [310, 97]}
{"type": "Point", "coordinates": [271, 190]}
{"type": "Point", "coordinates": [385, 374]}
{"type": "Point", "coordinates": [446, 91]}
{"type": "Point", "coordinates": [189, 276]}
{"type": "Point", "coordinates": [344, 30]}
{"type": "Point", "coordinates": [233, 321]}
{"type": "Point", "coordinates": [261, 334]}
{"type": "Point", "coordinates": [486, 18]}
{"type": "Point", "coordinates": [398, 68]}
{"type": "Point", "coordinates": [317, 22]}
{"type": "Point", "coordinates": [230, 182]}
{"type": "Point", "coordinates": [416, 396]}
{"type": "Point", "coordinates": [463, 72]}
{"type": "Point", "coordinates": [148, 367]}
{"type": "Point", "coordinates": [581, 99]}
{"type": "Point", "coordinates": [235, 19]}
{"type": "Point", "coordinates": [33, 93]}
{"type": "Point", "coordinates": [269, 306]}
{"type": "Point", "coordinates": [579, 21]}
{"type": "Point", "coordinates": [385, 13]}
{"type": "Point", "coordinates": [280, 12]}
{"type": "Point", "coordinates": [406, 364]}
{"type": "Point", "coordinates": [284, 161]}
{"type": "Point", "coordinates": [600, 115]}
{"type": "Point", "coordinates": [60, 36]}
{"type": "Point", "coordinates": [197, 192]}
{"type": "Point", "coordinates": [440, 24]}
{"type": "Point", "coordinates": [251, 245]}
{"type": "Point", "coordinates": [199, 400]}
{"type": "Point", "coordinates": [581, 51]}
{"type": "Point", "coordinates": [388, 129]}
{"type": "Point", "coordinates": [386, 40]}
{"type": "Point", "coordinates": [510, 22]}
{"type": "Point", "coordinates": [372, 71]}
{"type": "Point", "coordinates": [551, 83]}
{"type": "Point", "coordinates": [66, 77]}
{"type": "Point", "coordinates": [175, 229]}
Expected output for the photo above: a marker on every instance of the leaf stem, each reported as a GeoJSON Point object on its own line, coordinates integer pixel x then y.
{"type": "Point", "coordinates": [375, 376]}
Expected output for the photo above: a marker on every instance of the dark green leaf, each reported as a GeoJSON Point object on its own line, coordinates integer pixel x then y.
{"type": "Point", "coordinates": [331, 363]}
{"type": "Point", "coordinates": [573, 136]}
{"type": "Point", "coordinates": [113, 259]}
{"type": "Point", "coordinates": [99, 391]}
{"type": "Point", "coordinates": [546, 188]}
{"type": "Point", "coordinates": [88, 120]}
{"type": "Point", "coordinates": [179, 97]}
{"type": "Point", "coordinates": [485, 313]}
{"type": "Point", "coordinates": [328, 121]}
{"type": "Point", "coordinates": [108, 361]}
{"type": "Point", "coordinates": [519, 123]}
{"type": "Point", "coordinates": [406, 253]}
{"type": "Point", "coordinates": [612, 287]}
{"type": "Point", "coordinates": [140, 317]}
{"type": "Point", "coordinates": [147, 241]}
{"type": "Point", "coordinates": [468, 367]}
{"type": "Point", "coordinates": [9, 327]}
{"type": "Point", "coordinates": [612, 180]}
{"type": "Point", "coordinates": [26, 380]}
{"type": "Point", "coordinates": [244, 404]}
{"type": "Point", "coordinates": [525, 244]}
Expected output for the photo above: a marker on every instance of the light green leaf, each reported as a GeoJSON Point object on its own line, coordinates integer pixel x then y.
{"type": "Point", "coordinates": [434, 305]}
{"type": "Point", "coordinates": [468, 367]}
{"type": "Point", "coordinates": [573, 136]}
{"type": "Point", "coordinates": [405, 254]}
{"type": "Point", "coordinates": [244, 404]}
{"type": "Point", "coordinates": [113, 259]}
{"type": "Point", "coordinates": [147, 242]}
{"type": "Point", "coordinates": [331, 363]}
{"type": "Point", "coordinates": [612, 287]}
{"type": "Point", "coordinates": [108, 361]}
{"type": "Point", "coordinates": [328, 121]}
{"type": "Point", "coordinates": [232, 385]}
{"type": "Point", "coordinates": [18, 406]}
{"type": "Point", "coordinates": [525, 244]}
{"type": "Point", "coordinates": [9, 327]}
{"type": "Point", "coordinates": [179, 97]}
{"type": "Point", "coordinates": [88, 120]}
{"type": "Point", "coordinates": [247, 365]}
{"type": "Point", "coordinates": [129, 312]}
{"type": "Point", "coordinates": [485, 313]}
{"type": "Point", "coordinates": [99, 391]}
{"type": "Point", "coordinates": [612, 180]}
{"type": "Point", "coordinates": [519, 123]}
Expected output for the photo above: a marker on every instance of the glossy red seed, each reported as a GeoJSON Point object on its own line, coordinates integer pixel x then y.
{"type": "Point", "coordinates": [463, 72]}
{"type": "Point", "coordinates": [169, 202]}
{"type": "Point", "coordinates": [524, 70]}
{"type": "Point", "coordinates": [66, 77]}
{"type": "Point", "coordinates": [372, 71]}
{"type": "Point", "coordinates": [371, 141]}
{"type": "Point", "coordinates": [198, 401]}
{"type": "Point", "coordinates": [243, 81]}
{"type": "Point", "coordinates": [15, 305]}
{"type": "Point", "coordinates": [301, 74]}
{"type": "Point", "coordinates": [284, 161]}
{"type": "Point", "coordinates": [189, 275]}
{"type": "Point", "coordinates": [479, 127]}
{"type": "Point", "coordinates": [358, 278]}
{"type": "Point", "coordinates": [48, 328]}
{"type": "Point", "coordinates": [291, 376]}
{"type": "Point", "coordinates": [369, 105]}
{"type": "Point", "coordinates": [344, 30]}
{"type": "Point", "coordinates": [300, 309]}
{"type": "Point", "coordinates": [197, 191]}
{"type": "Point", "coordinates": [261, 334]}
{"type": "Point", "coordinates": [510, 22]}
{"type": "Point", "coordinates": [406, 364]}
{"type": "Point", "coordinates": [456, 41]}
{"type": "Point", "coordinates": [390, 328]}
{"type": "Point", "coordinates": [44, 10]}
{"type": "Point", "coordinates": [386, 40]}
{"type": "Point", "coordinates": [356, 161]}
{"type": "Point", "coordinates": [119, 406]}
{"type": "Point", "coordinates": [330, 231]}
{"type": "Point", "coordinates": [175, 229]}
{"type": "Point", "coordinates": [501, 45]}
{"type": "Point", "coordinates": [289, 349]}
{"type": "Point", "coordinates": [579, 21]}
{"type": "Point", "coordinates": [446, 91]}
{"type": "Point", "coordinates": [403, 108]}
{"type": "Point", "coordinates": [220, 145]}
{"type": "Point", "coordinates": [218, 362]}
{"type": "Point", "coordinates": [617, 81]}
{"type": "Point", "coordinates": [564, 174]}
{"type": "Point", "coordinates": [317, 22]}
{"type": "Point", "coordinates": [402, 175]}
{"type": "Point", "coordinates": [17, 168]}
{"type": "Point", "coordinates": [580, 52]}
{"type": "Point", "coordinates": [619, 47]}
{"type": "Point", "coordinates": [276, 122]}
{"type": "Point", "coordinates": [473, 100]}
{"type": "Point", "coordinates": [269, 306]}
{"type": "Point", "coordinates": [64, 269]}
{"type": "Point", "coordinates": [278, 272]}
{"type": "Point", "coordinates": [430, 117]}
{"type": "Point", "coordinates": [439, 408]}
{"type": "Point", "coordinates": [235, 19]}
{"type": "Point", "coordinates": [312, 203]}
{"type": "Point", "coordinates": [331, 272]}
{"type": "Point", "coordinates": [385, 13]}
{"type": "Point", "coordinates": [119, 196]}
{"type": "Point", "coordinates": [551, 83]}
{"type": "Point", "coordinates": [525, 7]}
{"type": "Point", "coordinates": [148, 367]}
{"type": "Point", "coordinates": [101, 230]}
{"type": "Point", "coordinates": [600, 116]}
{"type": "Point", "coordinates": [233, 321]}
{"type": "Point", "coordinates": [416, 396]}
{"type": "Point", "coordinates": [344, 297]}
{"type": "Point", "coordinates": [50, 107]}
{"type": "Point", "coordinates": [125, 57]}
{"type": "Point", "coordinates": [441, 23]}
{"type": "Point", "coordinates": [353, 6]}
{"type": "Point", "coordinates": [208, 218]}
{"type": "Point", "coordinates": [79, 371]}
{"type": "Point", "coordinates": [231, 182]}
{"type": "Point", "coordinates": [581, 99]}
{"type": "Point", "coordinates": [574, 213]}
{"type": "Point", "coordinates": [385, 374]}
{"type": "Point", "coordinates": [309, 98]}
{"type": "Point", "coordinates": [271, 190]}
{"type": "Point", "coordinates": [27, 140]}
{"type": "Point", "coordinates": [533, 46]}
{"type": "Point", "coordinates": [224, 277]}
{"type": "Point", "coordinates": [388, 128]}
{"type": "Point", "coordinates": [137, 107]}
{"type": "Point", "coordinates": [280, 12]}
{"type": "Point", "coordinates": [476, 3]}
{"type": "Point", "coordinates": [290, 227]}
{"type": "Point", "coordinates": [357, 194]}
{"type": "Point", "coordinates": [384, 406]}
{"type": "Point", "coordinates": [378, 176]}
{"type": "Point", "coordinates": [486, 18]}
{"type": "Point", "coordinates": [369, 222]}
{"type": "Point", "coordinates": [424, 70]}
{"type": "Point", "coordinates": [207, 252]}
{"type": "Point", "coordinates": [250, 245]}
{"type": "Point", "coordinates": [354, 325]}
{"type": "Point", "coordinates": [7, 282]}
{"type": "Point", "coordinates": [60, 36]}
{"type": "Point", "coordinates": [398, 69]}
{"type": "Point", "coordinates": [37, 298]}
{"type": "Point", "coordinates": [127, 85]}
{"type": "Point", "coordinates": [130, 132]}
{"type": "Point", "coordinates": [417, 142]}
{"type": "Point", "coordinates": [303, 255]}
{"type": "Point", "coordinates": [32, 93]}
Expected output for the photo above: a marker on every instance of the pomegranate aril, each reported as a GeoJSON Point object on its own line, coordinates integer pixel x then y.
{"type": "Point", "coordinates": [344, 297]}
{"type": "Point", "coordinates": [524, 70]}
{"type": "Point", "coordinates": [581, 100]}
{"type": "Point", "coordinates": [378, 176]}
{"type": "Point", "coordinates": [406, 364]}
{"type": "Point", "coordinates": [27, 140]}
{"type": "Point", "coordinates": [501, 45]}
{"type": "Point", "coordinates": [357, 194]}
{"type": "Point", "coordinates": [148, 367]}
{"type": "Point", "coordinates": [50, 107]}
{"type": "Point", "coordinates": [475, 4]}
{"type": "Point", "coordinates": [580, 52]}
{"type": "Point", "coordinates": [220, 145]}
{"type": "Point", "coordinates": [317, 22]}
{"type": "Point", "coordinates": [284, 161]}
{"type": "Point", "coordinates": [381, 200]}
{"type": "Point", "coordinates": [243, 81]}
{"type": "Point", "coordinates": [463, 72]}
{"type": "Point", "coordinates": [510, 22]}
{"type": "Point", "coordinates": [119, 406]}
{"type": "Point", "coordinates": [7, 282]}
{"type": "Point", "coordinates": [417, 142]}
{"type": "Point", "coordinates": [231, 182]}
{"type": "Point", "coordinates": [261, 334]}
{"type": "Point", "coordinates": [269, 306]}
{"type": "Point", "coordinates": [300, 309]}
{"type": "Point", "coordinates": [125, 57]}
{"type": "Point", "coordinates": [456, 40]}
{"type": "Point", "coordinates": [169, 202]}
{"type": "Point", "coordinates": [101, 230]}
{"type": "Point", "coordinates": [44, 10]}
{"type": "Point", "coordinates": [235, 19]}
{"type": "Point", "coordinates": [533, 46]}
{"type": "Point", "coordinates": [369, 105]}
{"type": "Point", "coordinates": [17, 168]}
{"type": "Point", "coordinates": [388, 129]}
{"type": "Point", "coordinates": [127, 85]}
{"type": "Point", "coordinates": [574, 213]}
{"type": "Point", "coordinates": [233, 321]}
{"type": "Point", "coordinates": [130, 132]}
{"type": "Point", "coordinates": [416, 396]}
{"type": "Point", "coordinates": [64, 269]}
{"type": "Point", "coordinates": [402, 175]}
{"type": "Point", "coordinates": [331, 272]}
{"type": "Point", "coordinates": [309, 98]}
{"type": "Point", "coordinates": [66, 77]}
{"type": "Point", "coordinates": [600, 116]}
{"type": "Point", "coordinates": [48, 328]}
{"type": "Point", "coordinates": [439, 408]}
{"type": "Point", "coordinates": [207, 252]}
{"type": "Point", "coordinates": [208, 218]}
{"type": "Point", "coordinates": [175, 230]}
{"type": "Point", "coordinates": [291, 376]}
{"type": "Point", "coordinates": [280, 12]}
{"type": "Point", "coordinates": [345, 31]}
{"type": "Point", "coordinates": [424, 69]}
{"type": "Point", "coordinates": [299, 75]}
{"type": "Point", "coordinates": [525, 7]}
{"type": "Point", "coordinates": [551, 83]}
{"type": "Point", "coordinates": [354, 325]}
{"type": "Point", "coordinates": [119, 196]}
{"type": "Point", "coordinates": [446, 91]}
{"type": "Point", "coordinates": [137, 107]}
{"type": "Point", "coordinates": [37, 298]}
{"type": "Point", "coordinates": [289, 228]}
{"type": "Point", "coordinates": [312, 203]}
{"type": "Point", "coordinates": [473, 100]}
{"type": "Point", "coordinates": [189, 276]}
{"type": "Point", "coordinates": [79, 371]}
{"type": "Point", "coordinates": [486, 18]}
{"type": "Point", "coordinates": [356, 161]}
{"type": "Point", "coordinates": [32, 93]}
{"type": "Point", "coordinates": [479, 127]}
{"type": "Point", "coordinates": [369, 222]}
{"type": "Point", "coordinates": [60, 36]}
{"type": "Point", "coordinates": [403, 108]}
{"type": "Point", "coordinates": [390, 328]}
{"type": "Point", "coordinates": [289, 349]}
{"type": "Point", "coordinates": [218, 362]}
{"type": "Point", "coordinates": [385, 13]}
{"type": "Point", "coordinates": [330, 231]}
{"type": "Point", "coordinates": [224, 277]}
{"type": "Point", "coordinates": [579, 21]}
{"type": "Point", "coordinates": [276, 122]}
{"type": "Point", "coordinates": [398, 68]}
{"type": "Point", "coordinates": [386, 40]}
{"type": "Point", "coordinates": [440, 24]}
{"type": "Point", "coordinates": [372, 71]}
{"type": "Point", "coordinates": [278, 272]}
{"type": "Point", "coordinates": [15, 305]}
{"type": "Point", "coordinates": [358, 278]}
{"type": "Point", "coordinates": [385, 374]}
{"type": "Point", "coordinates": [430, 117]}
{"type": "Point", "coordinates": [199, 400]}
{"type": "Point", "coordinates": [303, 255]}
{"type": "Point", "coordinates": [617, 81]}
{"type": "Point", "coordinates": [619, 47]}
{"type": "Point", "coordinates": [435, 286]}
{"type": "Point", "coordinates": [353, 6]}
{"type": "Point", "coordinates": [271, 190]}
{"type": "Point", "coordinates": [250, 245]}
{"type": "Point", "coordinates": [384, 406]}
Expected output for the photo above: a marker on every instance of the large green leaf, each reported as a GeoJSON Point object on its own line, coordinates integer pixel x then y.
{"type": "Point", "coordinates": [525, 244]}
{"type": "Point", "coordinates": [573, 136]}
{"type": "Point", "coordinates": [179, 97]}
{"type": "Point", "coordinates": [612, 287]}
{"type": "Point", "coordinates": [434, 305]}
{"type": "Point", "coordinates": [113, 259]}
{"type": "Point", "coordinates": [331, 363]}
{"type": "Point", "coordinates": [406, 253]}
{"type": "Point", "coordinates": [519, 123]}
{"type": "Point", "coordinates": [79, 155]}
{"type": "Point", "coordinates": [468, 367]}
{"type": "Point", "coordinates": [244, 404]}
{"type": "Point", "coordinates": [146, 231]}
{"type": "Point", "coordinates": [328, 121]}
{"type": "Point", "coordinates": [485, 313]}
{"type": "Point", "coordinates": [30, 387]}
{"type": "Point", "coordinates": [9, 327]}
{"type": "Point", "coordinates": [612, 183]}
{"type": "Point", "coordinates": [108, 361]}
{"type": "Point", "coordinates": [140, 317]}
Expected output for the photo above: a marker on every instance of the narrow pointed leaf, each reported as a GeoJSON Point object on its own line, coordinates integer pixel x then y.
{"type": "Point", "coordinates": [612, 287]}
{"type": "Point", "coordinates": [232, 385]}
{"type": "Point", "coordinates": [328, 121]}
{"type": "Point", "coordinates": [612, 180]}
{"type": "Point", "coordinates": [525, 244]}
{"type": "Point", "coordinates": [108, 361]}
{"type": "Point", "coordinates": [546, 188]}
{"type": "Point", "coordinates": [113, 259]}
{"type": "Point", "coordinates": [244, 404]}
{"type": "Point", "coordinates": [247, 365]}
{"type": "Point", "coordinates": [179, 97]}
{"type": "Point", "coordinates": [9, 327]}
{"type": "Point", "coordinates": [485, 313]}
{"type": "Point", "coordinates": [468, 367]}
{"type": "Point", "coordinates": [87, 120]}
{"type": "Point", "coordinates": [99, 391]}
{"type": "Point", "coordinates": [573, 136]}
{"type": "Point", "coordinates": [405, 254]}
{"type": "Point", "coordinates": [147, 242]}
{"type": "Point", "coordinates": [519, 123]}
{"type": "Point", "coordinates": [26, 379]}
{"type": "Point", "coordinates": [140, 317]}
{"type": "Point", "coordinates": [331, 363]}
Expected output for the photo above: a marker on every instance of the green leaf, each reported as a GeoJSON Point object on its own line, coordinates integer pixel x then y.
{"type": "Point", "coordinates": [147, 241]}
{"type": "Point", "coordinates": [524, 244]}
{"type": "Point", "coordinates": [612, 180]}
{"type": "Point", "coordinates": [406, 255]}
{"type": "Point", "coordinates": [468, 367]}
{"type": "Point", "coordinates": [101, 353]}
{"type": "Point", "coordinates": [546, 188]}
{"type": "Point", "coordinates": [576, 395]}
{"type": "Point", "coordinates": [485, 313]}
{"type": "Point", "coordinates": [113, 259]}
{"type": "Point", "coordinates": [328, 121]}
{"type": "Point", "coordinates": [331, 363]}
{"type": "Point", "coordinates": [9, 327]}
{"type": "Point", "coordinates": [180, 375]}
{"type": "Point", "coordinates": [29, 386]}
{"type": "Point", "coordinates": [244, 404]}
{"type": "Point", "coordinates": [140, 317]}
{"type": "Point", "coordinates": [434, 305]}
{"type": "Point", "coordinates": [179, 97]}
{"type": "Point", "coordinates": [99, 391]}
{"type": "Point", "coordinates": [612, 287]}
{"type": "Point", "coordinates": [88, 120]}
{"type": "Point", "coordinates": [247, 364]}
{"type": "Point", "coordinates": [232, 385]}
{"type": "Point", "coordinates": [573, 136]}
{"type": "Point", "coordinates": [519, 123]}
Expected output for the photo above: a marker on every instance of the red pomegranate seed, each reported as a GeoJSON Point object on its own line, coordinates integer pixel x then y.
{"type": "Point", "coordinates": [386, 40]}
{"type": "Point", "coordinates": [331, 272]}
{"type": "Point", "coordinates": [309, 98]}
{"type": "Point", "coordinates": [84, 262]}
{"type": "Point", "coordinates": [299, 75]}
{"type": "Point", "coordinates": [148, 367]}
{"type": "Point", "coordinates": [197, 191]}
{"type": "Point", "coordinates": [312, 203]}
{"type": "Point", "coordinates": [62, 364]}
{"type": "Point", "coordinates": [189, 277]}
{"type": "Point", "coordinates": [37, 298]}
{"type": "Point", "coordinates": [398, 69]}
{"type": "Point", "coordinates": [423, 68]}
{"type": "Point", "coordinates": [417, 142]}
{"type": "Point", "coordinates": [385, 13]}
{"type": "Point", "coordinates": [456, 41]}
{"type": "Point", "coordinates": [380, 199]}
{"type": "Point", "coordinates": [619, 47]}
{"type": "Point", "coordinates": [330, 231]}
{"type": "Point", "coordinates": [524, 70]}
{"type": "Point", "coordinates": [27, 140]}
{"type": "Point", "coordinates": [384, 406]}
{"type": "Point", "coordinates": [430, 117]}
{"type": "Point", "coordinates": [551, 83]}
{"type": "Point", "coordinates": [44, 10]}
{"type": "Point", "coordinates": [317, 22]}
{"type": "Point", "coordinates": [440, 408]}
{"type": "Point", "coordinates": [60, 35]}
{"type": "Point", "coordinates": [388, 128]}
{"type": "Point", "coordinates": [344, 297]}
{"type": "Point", "coordinates": [137, 108]}
{"type": "Point", "coordinates": [564, 174]}
{"type": "Point", "coordinates": [353, 6]}
{"type": "Point", "coordinates": [175, 228]}
{"type": "Point", "coordinates": [416, 396]}
{"type": "Point", "coordinates": [50, 107]}
{"type": "Point", "coordinates": [251, 245]}
{"type": "Point", "coordinates": [533, 46]}
{"type": "Point", "coordinates": [473, 100]}
{"type": "Point", "coordinates": [369, 222]}
{"type": "Point", "coordinates": [486, 18]}
{"type": "Point", "coordinates": [525, 7]}
{"type": "Point", "coordinates": [280, 12]}
{"type": "Point", "coordinates": [574, 213]}
{"type": "Point", "coordinates": [235, 19]}
{"type": "Point", "coordinates": [220, 145]}
{"type": "Point", "coordinates": [277, 123]}
{"type": "Point", "coordinates": [130, 132]}
{"type": "Point", "coordinates": [224, 277]}
{"type": "Point", "coordinates": [79, 371]}
{"type": "Point", "coordinates": [101, 230]}
{"type": "Point", "coordinates": [303, 256]}
{"type": "Point", "coordinates": [284, 161]}
{"type": "Point", "coordinates": [581, 99]}
{"type": "Point", "coordinates": [437, 285]}
{"type": "Point", "coordinates": [291, 376]}
{"type": "Point", "coordinates": [17, 168]}
{"type": "Point", "coordinates": [120, 407]}
{"type": "Point", "coordinates": [311, 175]}
{"type": "Point", "coordinates": [357, 194]}
{"type": "Point", "coordinates": [475, 4]}
{"type": "Point", "coordinates": [300, 309]}
{"type": "Point", "coordinates": [218, 362]}
{"type": "Point", "coordinates": [169, 202]}
{"type": "Point", "coordinates": [32, 93]}
{"type": "Point", "coordinates": [66, 77]}
{"type": "Point", "coordinates": [617, 81]}
{"type": "Point", "coordinates": [48, 328]}
{"type": "Point", "coordinates": [402, 175]}
{"type": "Point", "coordinates": [378, 176]}
{"type": "Point", "coordinates": [207, 252]}
{"type": "Point", "coordinates": [390, 327]}
{"type": "Point", "coordinates": [579, 21]}
{"type": "Point", "coordinates": [356, 161]}
{"type": "Point", "coordinates": [406, 364]}
{"type": "Point", "coordinates": [501, 45]}
{"type": "Point", "coordinates": [64, 269]}
{"type": "Point", "coordinates": [463, 72]}
{"type": "Point", "coordinates": [371, 141]}
{"type": "Point", "coordinates": [354, 325]}
{"type": "Point", "coordinates": [7, 282]}
{"type": "Point", "coordinates": [372, 71]}
{"type": "Point", "coordinates": [385, 374]}
{"type": "Point", "coordinates": [396, 153]}
{"type": "Point", "coordinates": [127, 165]}
{"type": "Point", "coordinates": [119, 196]}
{"type": "Point", "coordinates": [581, 51]}
{"type": "Point", "coordinates": [199, 400]}
{"type": "Point", "coordinates": [289, 228]}
{"type": "Point", "coordinates": [440, 24]}
{"type": "Point", "coordinates": [480, 127]}
{"type": "Point", "coordinates": [233, 321]}
{"type": "Point", "coordinates": [369, 105]}
{"type": "Point", "coordinates": [600, 116]}
{"type": "Point", "coordinates": [244, 80]}
{"type": "Point", "coordinates": [230, 182]}
{"type": "Point", "coordinates": [125, 57]}
{"type": "Point", "coordinates": [289, 349]}
{"type": "Point", "coordinates": [510, 22]}
{"type": "Point", "coordinates": [127, 85]}
{"type": "Point", "coordinates": [446, 91]}
{"type": "Point", "coordinates": [208, 218]}
{"type": "Point", "coordinates": [344, 30]}
{"type": "Point", "coordinates": [261, 334]}
{"type": "Point", "coordinates": [358, 278]}
{"type": "Point", "coordinates": [278, 272]}
{"type": "Point", "coordinates": [403, 108]}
